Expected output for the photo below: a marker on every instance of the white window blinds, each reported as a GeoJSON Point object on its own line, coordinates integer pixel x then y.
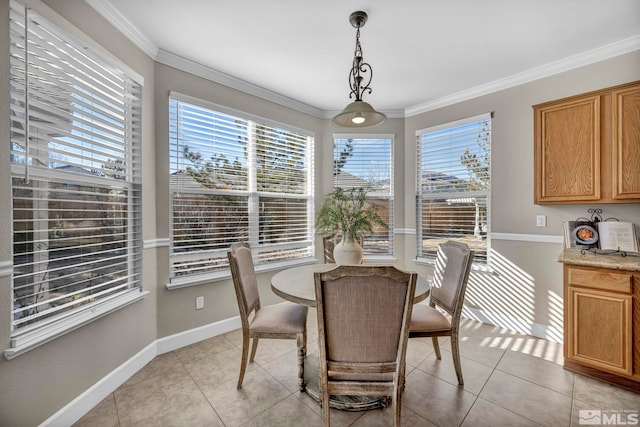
{"type": "Point", "coordinates": [368, 163]}
{"type": "Point", "coordinates": [75, 162]}
{"type": "Point", "coordinates": [235, 179]}
{"type": "Point", "coordinates": [454, 185]}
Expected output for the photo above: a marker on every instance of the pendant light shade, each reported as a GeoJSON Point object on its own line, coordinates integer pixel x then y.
{"type": "Point", "coordinates": [359, 113]}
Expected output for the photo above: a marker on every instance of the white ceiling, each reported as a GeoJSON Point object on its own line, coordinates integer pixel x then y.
{"type": "Point", "coordinates": [423, 52]}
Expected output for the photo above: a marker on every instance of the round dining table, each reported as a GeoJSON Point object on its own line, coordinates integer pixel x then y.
{"type": "Point", "coordinates": [297, 285]}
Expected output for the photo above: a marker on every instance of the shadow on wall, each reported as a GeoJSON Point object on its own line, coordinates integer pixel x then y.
{"type": "Point", "coordinates": [507, 298]}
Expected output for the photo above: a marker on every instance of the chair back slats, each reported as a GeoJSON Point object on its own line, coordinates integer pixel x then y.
{"type": "Point", "coordinates": [453, 264]}
{"type": "Point", "coordinates": [363, 368]}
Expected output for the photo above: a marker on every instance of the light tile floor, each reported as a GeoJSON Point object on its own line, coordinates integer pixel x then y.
{"type": "Point", "coordinates": [510, 380]}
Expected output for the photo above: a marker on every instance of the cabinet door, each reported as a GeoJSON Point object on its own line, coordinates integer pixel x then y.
{"type": "Point", "coordinates": [599, 330]}
{"type": "Point", "coordinates": [567, 151]}
{"type": "Point", "coordinates": [626, 143]}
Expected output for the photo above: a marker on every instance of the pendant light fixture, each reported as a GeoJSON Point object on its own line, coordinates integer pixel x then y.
{"type": "Point", "coordinates": [359, 113]}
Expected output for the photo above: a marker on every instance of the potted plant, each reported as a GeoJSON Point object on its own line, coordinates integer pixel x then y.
{"type": "Point", "coordinates": [346, 213]}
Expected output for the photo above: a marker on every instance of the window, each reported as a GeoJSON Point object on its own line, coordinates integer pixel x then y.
{"type": "Point", "coordinates": [235, 179]}
{"type": "Point", "coordinates": [75, 164]}
{"type": "Point", "coordinates": [454, 185]}
{"type": "Point", "coordinates": [368, 163]}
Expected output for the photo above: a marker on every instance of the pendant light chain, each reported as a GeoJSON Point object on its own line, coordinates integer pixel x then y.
{"type": "Point", "coordinates": [359, 113]}
{"type": "Point", "coordinates": [359, 66]}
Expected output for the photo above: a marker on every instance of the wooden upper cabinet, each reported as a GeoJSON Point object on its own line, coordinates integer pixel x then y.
{"type": "Point", "coordinates": [587, 148]}
{"type": "Point", "coordinates": [569, 150]}
{"type": "Point", "coordinates": [626, 143]}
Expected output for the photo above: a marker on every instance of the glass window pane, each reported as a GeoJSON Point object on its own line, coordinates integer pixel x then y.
{"type": "Point", "coordinates": [454, 186]}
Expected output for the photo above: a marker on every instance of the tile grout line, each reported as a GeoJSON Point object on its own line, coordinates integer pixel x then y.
{"type": "Point", "coordinates": [523, 379]}
{"type": "Point", "coordinates": [199, 388]}
{"type": "Point", "coordinates": [483, 386]}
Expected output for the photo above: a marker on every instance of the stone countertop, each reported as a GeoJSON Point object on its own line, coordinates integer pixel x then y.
{"type": "Point", "coordinates": [631, 262]}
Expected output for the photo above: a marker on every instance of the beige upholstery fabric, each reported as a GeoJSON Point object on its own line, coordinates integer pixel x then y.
{"type": "Point", "coordinates": [425, 318]}
{"type": "Point", "coordinates": [451, 273]}
{"type": "Point", "coordinates": [281, 321]}
{"type": "Point", "coordinates": [247, 276]}
{"type": "Point", "coordinates": [287, 318]}
{"type": "Point", "coordinates": [373, 318]}
{"type": "Point", "coordinates": [363, 325]}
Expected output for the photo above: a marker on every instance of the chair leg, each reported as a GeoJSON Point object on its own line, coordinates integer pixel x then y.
{"type": "Point", "coordinates": [436, 347]}
{"type": "Point", "coordinates": [326, 421]}
{"type": "Point", "coordinates": [302, 352]}
{"type": "Point", "coordinates": [243, 361]}
{"type": "Point", "coordinates": [254, 347]}
{"type": "Point", "coordinates": [455, 350]}
{"type": "Point", "coordinates": [397, 406]}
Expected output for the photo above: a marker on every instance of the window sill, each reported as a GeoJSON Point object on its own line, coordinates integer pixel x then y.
{"type": "Point", "coordinates": [378, 259]}
{"type": "Point", "coordinates": [28, 340]}
{"type": "Point", "coordinates": [185, 282]}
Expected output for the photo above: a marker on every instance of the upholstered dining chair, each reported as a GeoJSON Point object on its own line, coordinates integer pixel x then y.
{"type": "Point", "coordinates": [279, 321]}
{"type": "Point", "coordinates": [363, 325]}
{"type": "Point", "coordinates": [448, 287]}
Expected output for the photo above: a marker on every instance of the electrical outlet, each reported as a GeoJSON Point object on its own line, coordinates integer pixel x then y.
{"type": "Point", "coordinates": [199, 303]}
{"type": "Point", "coordinates": [541, 221]}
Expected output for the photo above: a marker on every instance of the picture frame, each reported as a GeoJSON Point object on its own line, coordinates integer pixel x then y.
{"type": "Point", "coordinates": [580, 234]}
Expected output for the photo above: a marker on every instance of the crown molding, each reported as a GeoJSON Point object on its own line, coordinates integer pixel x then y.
{"type": "Point", "coordinates": [585, 58]}
{"type": "Point", "coordinates": [122, 24]}
{"type": "Point", "coordinates": [184, 64]}
{"type": "Point", "coordinates": [109, 12]}
{"type": "Point", "coordinates": [106, 9]}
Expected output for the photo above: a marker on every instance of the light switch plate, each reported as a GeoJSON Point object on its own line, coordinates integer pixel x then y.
{"type": "Point", "coordinates": [199, 303]}
{"type": "Point", "coordinates": [541, 221]}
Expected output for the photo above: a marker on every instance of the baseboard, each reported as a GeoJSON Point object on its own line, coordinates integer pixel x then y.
{"type": "Point", "coordinates": [522, 326]}
{"type": "Point", "coordinates": [95, 394]}
{"type": "Point", "coordinates": [192, 336]}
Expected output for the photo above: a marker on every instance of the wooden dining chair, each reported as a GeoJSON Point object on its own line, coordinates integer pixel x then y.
{"type": "Point", "coordinates": [328, 245]}
{"type": "Point", "coordinates": [279, 321]}
{"type": "Point", "coordinates": [363, 325]}
{"type": "Point", "coordinates": [448, 287]}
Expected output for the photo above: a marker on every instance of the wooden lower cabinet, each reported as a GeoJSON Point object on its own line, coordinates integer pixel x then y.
{"type": "Point", "coordinates": [602, 324]}
{"type": "Point", "coordinates": [600, 330]}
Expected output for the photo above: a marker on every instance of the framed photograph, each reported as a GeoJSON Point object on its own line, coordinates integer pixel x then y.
{"type": "Point", "coordinates": [580, 234]}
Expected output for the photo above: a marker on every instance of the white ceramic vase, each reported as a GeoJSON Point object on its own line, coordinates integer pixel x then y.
{"type": "Point", "coordinates": [347, 252]}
